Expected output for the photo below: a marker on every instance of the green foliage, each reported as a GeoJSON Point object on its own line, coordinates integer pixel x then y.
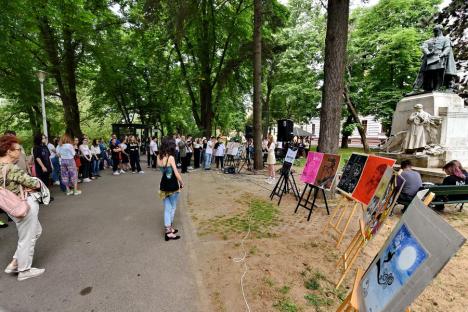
{"type": "Point", "coordinates": [317, 301]}
{"type": "Point", "coordinates": [286, 305]}
{"type": "Point", "coordinates": [384, 53]}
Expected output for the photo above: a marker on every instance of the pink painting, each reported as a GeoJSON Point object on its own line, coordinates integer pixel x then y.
{"type": "Point", "coordinates": [312, 167]}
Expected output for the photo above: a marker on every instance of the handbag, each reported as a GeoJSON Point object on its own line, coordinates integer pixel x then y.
{"type": "Point", "coordinates": [14, 205]}
{"type": "Point", "coordinates": [169, 181]}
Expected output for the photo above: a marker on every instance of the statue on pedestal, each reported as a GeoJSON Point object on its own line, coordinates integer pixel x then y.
{"type": "Point", "coordinates": [438, 64]}
{"type": "Point", "coordinates": [420, 137]}
{"type": "Point", "coordinates": [422, 131]}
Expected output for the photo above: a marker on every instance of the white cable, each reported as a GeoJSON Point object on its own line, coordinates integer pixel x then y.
{"type": "Point", "coordinates": [242, 259]}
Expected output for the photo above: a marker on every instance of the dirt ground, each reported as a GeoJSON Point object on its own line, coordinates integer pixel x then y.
{"type": "Point", "coordinates": [291, 264]}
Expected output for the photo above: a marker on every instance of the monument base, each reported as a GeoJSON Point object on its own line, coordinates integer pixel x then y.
{"type": "Point", "coordinates": [453, 133]}
{"type": "Point", "coordinates": [422, 161]}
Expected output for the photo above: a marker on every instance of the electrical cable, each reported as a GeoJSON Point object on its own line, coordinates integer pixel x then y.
{"type": "Point", "coordinates": [243, 260]}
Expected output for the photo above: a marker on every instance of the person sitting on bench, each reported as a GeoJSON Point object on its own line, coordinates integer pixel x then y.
{"type": "Point", "coordinates": [454, 177]}
{"type": "Point", "coordinates": [459, 165]}
{"type": "Point", "coordinates": [412, 185]}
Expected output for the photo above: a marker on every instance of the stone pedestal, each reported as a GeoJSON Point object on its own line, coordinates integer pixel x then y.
{"type": "Point", "coordinates": [453, 135]}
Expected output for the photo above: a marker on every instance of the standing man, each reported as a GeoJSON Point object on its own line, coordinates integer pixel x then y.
{"type": "Point", "coordinates": [153, 149]}
{"type": "Point", "coordinates": [209, 153]}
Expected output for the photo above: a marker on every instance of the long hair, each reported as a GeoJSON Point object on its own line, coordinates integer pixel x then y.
{"type": "Point", "coordinates": [38, 139]}
{"type": "Point", "coordinates": [168, 147]}
{"type": "Point", "coordinates": [66, 139]}
{"type": "Point", "coordinates": [270, 140]}
{"type": "Point", "coordinates": [459, 165]}
{"type": "Point", "coordinates": [452, 169]}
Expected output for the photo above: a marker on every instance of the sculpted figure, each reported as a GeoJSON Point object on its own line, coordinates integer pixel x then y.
{"type": "Point", "coordinates": [438, 64]}
{"type": "Point", "coordinates": [421, 132]}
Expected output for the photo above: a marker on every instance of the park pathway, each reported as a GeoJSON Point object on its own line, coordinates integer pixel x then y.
{"type": "Point", "coordinates": [104, 251]}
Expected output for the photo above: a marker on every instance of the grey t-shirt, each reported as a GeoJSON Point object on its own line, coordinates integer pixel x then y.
{"type": "Point", "coordinates": [413, 182]}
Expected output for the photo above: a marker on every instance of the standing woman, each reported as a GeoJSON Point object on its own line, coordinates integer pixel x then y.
{"type": "Point", "coordinates": [68, 170]}
{"type": "Point", "coordinates": [86, 159]}
{"type": "Point", "coordinates": [124, 154]}
{"type": "Point", "coordinates": [96, 155]}
{"type": "Point", "coordinates": [171, 183]}
{"type": "Point", "coordinates": [271, 159]}
{"type": "Point", "coordinates": [115, 152]}
{"type": "Point", "coordinates": [42, 162]}
{"type": "Point", "coordinates": [29, 228]}
{"type": "Point", "coordinates": [134, 151]}
{"type": "Point", "coordinates": [197, 149]}
{"type": "Point", "coordinates": [76, 144]}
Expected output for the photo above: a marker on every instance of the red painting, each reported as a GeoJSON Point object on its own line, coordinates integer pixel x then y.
{"type": "Point", "coordinates": [370, 178]}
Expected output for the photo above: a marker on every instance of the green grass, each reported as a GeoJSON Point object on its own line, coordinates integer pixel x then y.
{"type": "Point", "coordinates": [312, 284]}
{"type": "Point", "coordinates": [262, 216]}
{"type": "Point", "coordinates": [286, 305]}
{"type": "Point", "coordinates": [317, 301]}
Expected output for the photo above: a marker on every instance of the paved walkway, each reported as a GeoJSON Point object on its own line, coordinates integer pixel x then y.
{"type": "Point", "coordinates": [104, 251]}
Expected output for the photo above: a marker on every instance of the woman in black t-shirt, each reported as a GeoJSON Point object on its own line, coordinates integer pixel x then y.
{"type": "Point", "coordinates": [134, 153]}
{"type": "Point", "coordinates": [115, 152]}
{"type": "Point", "coordinates": [41, 155]}
{"type": "Point", "coordinates": [454, 177]}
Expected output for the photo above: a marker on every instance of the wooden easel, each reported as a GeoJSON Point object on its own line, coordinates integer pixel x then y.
{"type": "Point", "coordinates": [351, 253]}
{"type": "Point", "coordinates": [351, 302]}
{"type": "Point", "coordinates": [305, 202]}
{"type": "Point", "coordinates": [338, 216]}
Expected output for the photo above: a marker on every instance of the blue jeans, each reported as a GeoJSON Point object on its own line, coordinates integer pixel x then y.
{"type": "Point", "coordinates": [56, 169]}
{"type": "Point", "coordinates": [95, 167]}
{"type": "Point", "coordinates": [208, 160]}
{"type": "Point", "coordinates": [170, 205]}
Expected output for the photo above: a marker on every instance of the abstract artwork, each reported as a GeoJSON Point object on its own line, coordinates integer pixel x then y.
{"type": "Point", "coordinates": [327, 171]}
{"type": "Point", "coordinates": [370, 178]}
{"type": "Point", "coordinates": [382, 202]}
{"type": "Point", "coordinates": [391, 269]}
{"type": "Point", "coordinates": [420, 245]}
{"type": "Point", "coordinates": [352, 173]}
{"type": "Point", "coordinates": [312, 166]}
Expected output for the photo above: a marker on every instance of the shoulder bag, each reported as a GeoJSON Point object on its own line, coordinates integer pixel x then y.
{"type": "Point", "coordinates": [14, 205]}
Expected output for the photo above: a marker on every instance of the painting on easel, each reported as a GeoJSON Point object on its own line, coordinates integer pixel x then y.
{"type": "Point", "coordinates": [352, 173]}
{"type": "Point", "coordinates": [382, 202]}
{"type": "Point", "coordinates": [312, 166]}
{"type": "Point", "coordinates": [392, 269]}
{"type": "Point", "coordinates": [327, 171]}
{"type": "Point", "coordinates": [370, 178]}
{"type": "Point", "coordinates": [419, 246]}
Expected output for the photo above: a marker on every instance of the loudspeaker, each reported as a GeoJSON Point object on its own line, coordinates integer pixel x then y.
{"type": "Point", "coordinates": [285, 130]}
{"type": "Point", "coordinates": [248, 132]}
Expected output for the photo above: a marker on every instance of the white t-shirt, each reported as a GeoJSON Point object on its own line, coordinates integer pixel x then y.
{"type": "Point", "coordinates": [153, 147]}
{"type": "Point", "coordinates": [52, 150]}
{"type": "Point", "coordinates": [177, 144]}
{"type": "Point", "coordinates": [220, 150]}
{"type": "Point", "coordinates": [95, 150]}
{"type": "Point", "coordinates": [66, 151]}
{"type": "Point", "coordinates": [209, 147]}
{"type": "Point", "coordinates": [85, 150]}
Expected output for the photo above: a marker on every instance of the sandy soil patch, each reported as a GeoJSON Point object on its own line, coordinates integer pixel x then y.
{"type": "Point", "coordinates": [291, 264]}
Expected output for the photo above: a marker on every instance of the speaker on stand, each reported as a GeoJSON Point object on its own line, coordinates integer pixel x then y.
{"type": "Point", "coordinates": [285, 130]}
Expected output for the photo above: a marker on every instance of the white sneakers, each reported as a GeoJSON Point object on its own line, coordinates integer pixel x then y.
{"type": "Point", "coordinates": [87, 180]}
{"type": "Point", "coordinates": [270, 180]}
{"type": "Point", "coordinates": [116, 173]}
{"type": "Point", "coordinates": [57, 183]}
{"type": "Point", "coordinates": [122, 171]}
{"type": "Point", "coordinates": [141, 172]}
{"type": "Point", "coordinates": [32, 272]}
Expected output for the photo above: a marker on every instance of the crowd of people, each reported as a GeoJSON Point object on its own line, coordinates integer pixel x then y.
{"type": "Point", "coordinates": [67, 161]}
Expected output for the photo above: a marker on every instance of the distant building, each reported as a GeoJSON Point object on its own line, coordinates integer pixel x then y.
{"type": "Point", "coordinates": [374, 131]}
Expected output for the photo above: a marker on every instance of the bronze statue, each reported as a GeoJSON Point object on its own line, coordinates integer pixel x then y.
{"type": "Point", "coordinates": [438, 64]}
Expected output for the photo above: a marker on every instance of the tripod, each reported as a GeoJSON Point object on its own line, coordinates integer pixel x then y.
{"type": "Point", "coordinates": [285, 184]}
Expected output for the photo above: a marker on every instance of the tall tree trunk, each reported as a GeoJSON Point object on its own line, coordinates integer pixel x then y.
{"type": "Point", "coordinates": [334, 67]}
{"type": "Point", "coordinates": [353, 112]}
{"type": "Point", "coordinates": [64, 76]}
{"type": "Point", "coordinates": [257, 85]}
{"type": "Point", "coordinates": [266, 105]}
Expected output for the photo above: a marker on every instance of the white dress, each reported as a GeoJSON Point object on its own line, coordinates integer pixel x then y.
{"type": "Point", "coordinates": [271, 159]}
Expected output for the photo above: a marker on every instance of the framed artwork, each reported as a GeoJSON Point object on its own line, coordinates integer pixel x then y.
{"type": "Point", "coordinates": [352, 173]}
{"type": "Point", "coordinates": [370, 178]}
{"type": "Point", "coordinates": [419, 246]}
{"type": "Point", "coordinates": [327, 171]}
{"type": "Point", "coordinates": [312, 166]}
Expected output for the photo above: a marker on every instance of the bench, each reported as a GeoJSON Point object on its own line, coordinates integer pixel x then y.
{"type": "Point", "coordinates": [443, 191]}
